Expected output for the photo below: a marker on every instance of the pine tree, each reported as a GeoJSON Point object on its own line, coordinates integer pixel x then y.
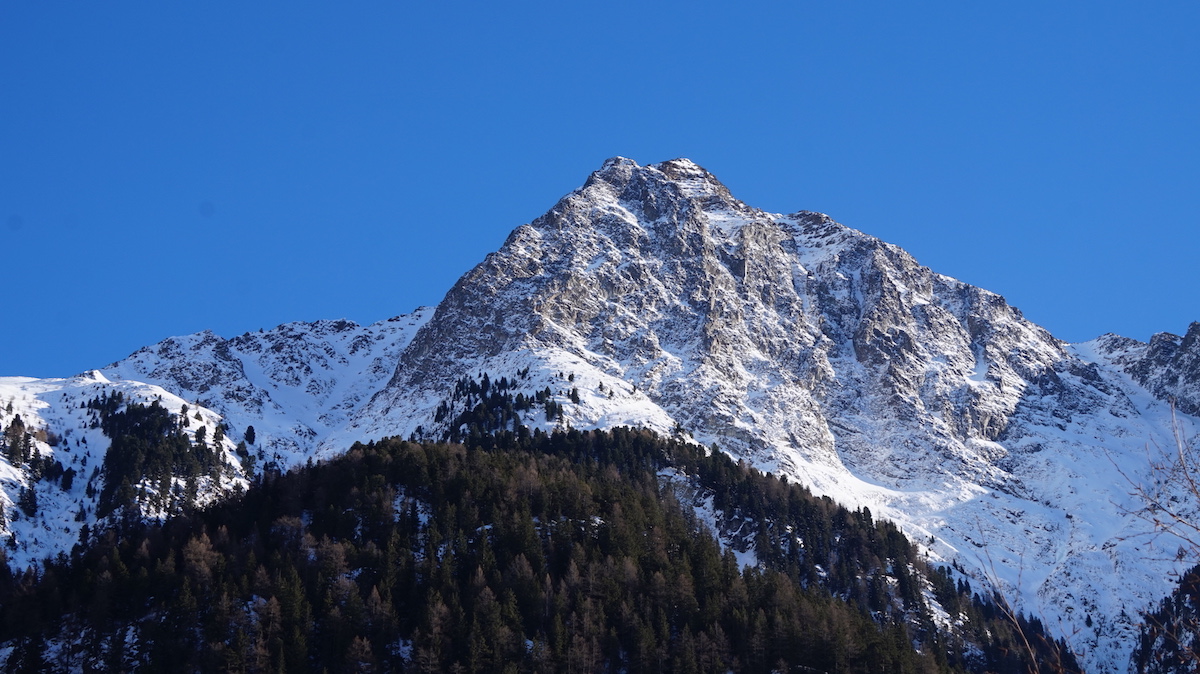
{"type": "Point", "coordinates": [28, 501]}
{"type": "Point", "coordinates": [14, 439]}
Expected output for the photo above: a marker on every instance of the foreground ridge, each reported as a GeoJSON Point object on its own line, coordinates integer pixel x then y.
{"type": "Point", "coordinates": [576, 551]}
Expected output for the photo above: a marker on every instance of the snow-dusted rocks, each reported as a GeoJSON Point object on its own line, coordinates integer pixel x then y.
{"type": "Point", "coordinates": [1169, 366]}
{"type": "Point", "coordinates": [295, 383]}
{"type": "Point", "coordinates": [652, 297]}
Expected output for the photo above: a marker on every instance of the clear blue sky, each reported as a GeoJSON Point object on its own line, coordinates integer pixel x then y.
{"type": "Point", "coordinates": [230, 165]}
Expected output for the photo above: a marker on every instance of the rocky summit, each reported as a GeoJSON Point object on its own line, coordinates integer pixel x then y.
{"type": "Point", "coordinates": [652, 297]}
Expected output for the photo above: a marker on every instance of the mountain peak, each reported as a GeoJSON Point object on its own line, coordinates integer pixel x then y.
{"type": "Point", "coordinates": [618, 161]}
{"type": "Point", "coordinates": [680, 165]}
{"type": "Point", "coordinates": [671, 189]}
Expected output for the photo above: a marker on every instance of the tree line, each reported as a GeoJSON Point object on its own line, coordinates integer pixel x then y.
{"type": "Point", "coordinates": [510, 552]}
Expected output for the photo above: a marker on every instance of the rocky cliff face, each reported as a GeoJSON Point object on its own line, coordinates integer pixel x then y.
{"type": "Point", "coordinates": [652, 297]}
{"type": "Point", "coordinates": [750, 329]}
{"type": "Point", "coordinates": [1168, 367]}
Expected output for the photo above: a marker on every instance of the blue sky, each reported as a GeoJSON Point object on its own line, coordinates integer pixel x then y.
{"type": "Point", "coordinates": [167, 168]}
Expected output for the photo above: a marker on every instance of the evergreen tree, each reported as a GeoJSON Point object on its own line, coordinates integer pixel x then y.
{"type": "Point", "coordinates": [28, 501]}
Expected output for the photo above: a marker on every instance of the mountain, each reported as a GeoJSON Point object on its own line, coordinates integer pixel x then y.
{"type": "Point", "coordinates": [651, 297]}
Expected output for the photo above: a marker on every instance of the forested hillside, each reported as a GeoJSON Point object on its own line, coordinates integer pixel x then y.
{"type": "Point", "coordinates": [562, 552]}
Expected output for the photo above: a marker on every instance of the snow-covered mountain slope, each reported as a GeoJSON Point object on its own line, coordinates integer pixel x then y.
{"type": "Point", "coordinates": [295, 383]}
{"type": "Point", "coordinates": [652, 297]}
{"type": "Point", "coordinates": [46, 508]}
